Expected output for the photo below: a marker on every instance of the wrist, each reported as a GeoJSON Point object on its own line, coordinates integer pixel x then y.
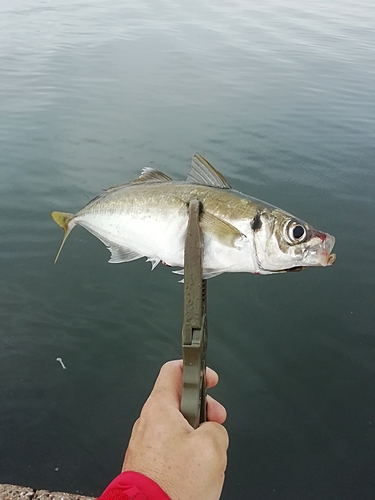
{"type": "Point", "coordinates": [133, 483]}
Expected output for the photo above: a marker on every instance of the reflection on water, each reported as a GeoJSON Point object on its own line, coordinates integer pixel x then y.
{"type": "Point", "coordinates": [279, 97]}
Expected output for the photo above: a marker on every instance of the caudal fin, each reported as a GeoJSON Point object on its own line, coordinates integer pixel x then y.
{"type": "Point", "coordinates": [63, 219]}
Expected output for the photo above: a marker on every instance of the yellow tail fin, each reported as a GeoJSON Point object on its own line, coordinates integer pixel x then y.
{"type": "Point", "coordinates": [63, 219]}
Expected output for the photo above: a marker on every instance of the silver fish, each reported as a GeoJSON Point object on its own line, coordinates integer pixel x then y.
{"type": "Point", "coordinates": [148, 217]}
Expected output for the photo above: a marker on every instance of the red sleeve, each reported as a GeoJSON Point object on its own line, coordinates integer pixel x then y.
{"type": "Point", "coordinates": [131, 485]}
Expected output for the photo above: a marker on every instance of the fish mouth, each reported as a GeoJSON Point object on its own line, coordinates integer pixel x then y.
{"type": "Point", "coordinates": [323, 249]}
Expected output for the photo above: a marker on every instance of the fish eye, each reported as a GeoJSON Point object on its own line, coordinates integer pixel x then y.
{"type": "Point", "coordinates": [296, 232]}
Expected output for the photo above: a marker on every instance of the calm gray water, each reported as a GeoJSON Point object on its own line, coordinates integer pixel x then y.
{"type": "Point", "coordinates": [279, 96]}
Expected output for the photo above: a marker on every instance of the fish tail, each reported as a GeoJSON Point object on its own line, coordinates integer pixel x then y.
{"type": "Point", "coordinates": [63, 219]}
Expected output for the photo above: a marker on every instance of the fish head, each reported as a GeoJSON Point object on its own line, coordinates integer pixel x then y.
{"type": "Point", "coordinates": [284, 243]}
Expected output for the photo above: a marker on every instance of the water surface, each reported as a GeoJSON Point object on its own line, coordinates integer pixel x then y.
{"type": "Point", "coordinates": [279, 96]}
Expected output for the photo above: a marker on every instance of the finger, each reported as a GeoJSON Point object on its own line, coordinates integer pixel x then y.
{"type": "Point", "coordinates": [215, 411]}
{"type": "Point", "coordinates": [169, 380]}
{"type": "Point", "coordinates": [168, 385]}
{"type": "Point", "coordinates": [212, 378]}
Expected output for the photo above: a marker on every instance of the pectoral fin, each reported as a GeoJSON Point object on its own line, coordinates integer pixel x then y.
{"type": "Point", "coordinates": [227, 234]}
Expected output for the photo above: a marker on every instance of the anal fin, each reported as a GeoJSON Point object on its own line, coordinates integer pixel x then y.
{"type": "Point", "coordinates": [118, 252]}
{"type": "Point", "coordinates": [121, 254]}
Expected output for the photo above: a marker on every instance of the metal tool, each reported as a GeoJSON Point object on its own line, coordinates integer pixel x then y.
{"type": "Point", "coordinates": [194, 329]}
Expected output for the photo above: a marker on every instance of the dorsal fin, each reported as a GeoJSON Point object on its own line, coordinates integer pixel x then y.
{"type": "Point", "coordinates": [148, 175]}
{"type": "Point", "coordinates": [151, 175]}
{"type": "Point", "coordinates": [202, 172]}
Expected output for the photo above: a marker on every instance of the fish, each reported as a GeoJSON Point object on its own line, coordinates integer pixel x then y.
{"type": "Point", "coordinates": [148, 217]}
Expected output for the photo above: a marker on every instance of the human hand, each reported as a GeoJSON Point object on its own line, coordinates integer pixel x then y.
{"type": "Point", "coordinates": [186, 463]}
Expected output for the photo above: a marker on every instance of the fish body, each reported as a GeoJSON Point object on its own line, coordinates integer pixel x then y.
{"type": "Point", "coordinates": [148, 217]}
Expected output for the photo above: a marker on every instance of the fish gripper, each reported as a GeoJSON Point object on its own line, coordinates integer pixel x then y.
{"type": "Point", "coordinates": [194, 329]}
